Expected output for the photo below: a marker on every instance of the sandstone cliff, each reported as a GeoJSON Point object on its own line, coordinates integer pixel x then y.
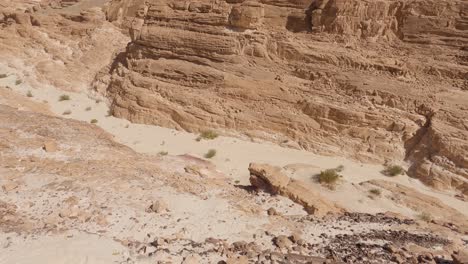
{"type": "Point", "coordinates": [374, 80]}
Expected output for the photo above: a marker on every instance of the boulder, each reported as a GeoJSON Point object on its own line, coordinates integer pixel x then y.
{"type": "Point", "coordinates": [50, 146]}
{"type": "Point", "coordinates": [460, 257]}
{"type": "Point", "coordinates": [273, 180]}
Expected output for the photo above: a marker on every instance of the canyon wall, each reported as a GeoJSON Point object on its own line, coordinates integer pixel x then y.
{"type": "Point", "coordinates": [378, 81]}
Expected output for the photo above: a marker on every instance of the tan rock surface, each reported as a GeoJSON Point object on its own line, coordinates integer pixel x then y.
{"type": "Point", "coordinates": [376, 82]}
{"type": "Point", "coordinates": [272, 179]}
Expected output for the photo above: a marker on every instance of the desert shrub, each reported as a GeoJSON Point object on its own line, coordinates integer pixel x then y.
{"type": "Point", "coordinates": [67, 112]}
{"type": "Point", "coordinates": [93, 121]}
{"type": "Point", "coordinates": [29, 94]}
{"type": "Point", "coordinates": [3, 75]}
{"type": "Point", "coordinates": [163, 153]}
{"type": "Point", "coordinates": [18, 82]}
{"type": "Point", "coordinates": [375, 192]}
{"type": "Point", "coordinates": [424, 216]}
{"type": "Point", "coordinates": [64, 97]}
{"type": "Point", "coordinates": [207, 134]}
{"type": "Point", "coordinates": [393, 170]}
{"type": "Point", "coordinates": [328, 177]}
{"type": "Point", "coordinates": [210, 154]}
{"type": "Point", "coordinates": [88, 108]}
{"type": "Point", "coordinates": [98, 101]}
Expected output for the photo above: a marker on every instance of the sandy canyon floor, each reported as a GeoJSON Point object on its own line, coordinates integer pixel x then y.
{"type": "Point", "coordinates": [79, 185]}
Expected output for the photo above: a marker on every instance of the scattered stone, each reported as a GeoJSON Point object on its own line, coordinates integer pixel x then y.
{"type": "Point", "coordinates": [158, 207]}
{"type": "Point", "coordinates": [272, 211]}
{"type": "Point", "coordinates": [10, 186]}
{"type": "Point", "coordinates": [50, 146]}
{"type": "Point", "coordinates": [192, 259]}
{"type": "Point", "coordinates": [283, 242]}
{"type": "Point", "coordinates": [460, 257]}
{"type": "Point", "coordinates": [237, 260]}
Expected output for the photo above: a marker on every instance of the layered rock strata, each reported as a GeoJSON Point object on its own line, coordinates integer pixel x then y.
{"type": "Point", "coordinates": [376, 81]}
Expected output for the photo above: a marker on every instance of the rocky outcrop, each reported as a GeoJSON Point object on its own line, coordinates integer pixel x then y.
{"type": "Point", "coordinates": [335, 77]}
{"type": "Point", "coordinates": [273, 180]}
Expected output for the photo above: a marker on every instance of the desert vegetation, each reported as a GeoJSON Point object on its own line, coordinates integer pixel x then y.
{"type": "Point", "coordinates": [66, 112]}
{"type": "Point", "coordinates": [393, 170]}
{"type": "Point", "coordinates": [208, 135]}
{"type": "Point", "coordinates": [64, 97]}
{"type": "Point", "coordinates": [210, 154]}
{"type": "Point", "coordinates": [93, 121]}
{"type": "Point", "coordinates": [375, 192]}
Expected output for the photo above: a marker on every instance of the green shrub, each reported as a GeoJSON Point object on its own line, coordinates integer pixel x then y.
{"type": "Point", "coordinates": [207, 134]}
{"type": "Point", "coordinates": [93, 121]}
{"type": "Point", "coordinates": [29, 94]}
{"type": "Point", "coordinates": [64, 97]}
{"type": "Point", "coordinates": [393, 170]}
{"type": "Point", "coordinates": [163, 153]}
{"type": "Point", "coordinates": [210, 154]}
{"type": "Point", "coordinates": [67, 112]}
{"type": "Point", "coordinates": [18, 82]}
{"type": "Point", "coordinates": [375, 192]}
{"type": "Point", "coordinates": [328, 177]}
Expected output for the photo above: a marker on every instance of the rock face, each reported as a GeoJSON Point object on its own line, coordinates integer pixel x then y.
{"type": "Point", "coordinates": [273, 180]}
{"type": "Point", "coordinates": [375, 81]}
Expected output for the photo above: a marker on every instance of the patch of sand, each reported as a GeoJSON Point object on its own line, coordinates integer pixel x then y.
{"type": "Point", "coordinates": [233, 155]}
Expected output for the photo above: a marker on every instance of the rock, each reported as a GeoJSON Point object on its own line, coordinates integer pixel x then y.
{"type": "Point", "coordinates": [295, 237]}
{"type": "Point", "coordinates": [343, 112]}
{"type": "Point", "coordinates": [272, 211]}
{"type": "Point", "coordinates": [237, 260]}
{"type": "Point", "coordinates": [283, 242]}
{"type": "Point", "coordinates": [239, 245]}
{"type": "Point", "coordinates": [267, 177]}
{"type": "Point", "coordinates": [272, 179]}
{"type": "Point", "coordinates": [460, 257]}
{"type": "Point", "coordinates": [158, 207]}
{"type": "Point", "coordinates": [192, 259]}
{"type": "Point", "coordinates": [50, 146]}
{"type": "Point", "coordinates": [10, 186]}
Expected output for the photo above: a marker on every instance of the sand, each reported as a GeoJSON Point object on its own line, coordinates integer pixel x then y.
{"type": "Point", "coordinates": [233, 155]}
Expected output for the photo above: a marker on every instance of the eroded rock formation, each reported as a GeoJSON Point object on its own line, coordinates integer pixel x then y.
{"type": "Point", "coordinates": [377, 81]}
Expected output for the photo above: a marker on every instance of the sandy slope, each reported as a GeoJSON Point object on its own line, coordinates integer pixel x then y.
{"type": "Point", "coordinates": [233, 155]}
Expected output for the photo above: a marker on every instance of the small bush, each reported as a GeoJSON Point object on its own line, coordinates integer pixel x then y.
{"type": "Point", "coordinates": [93, 121]}
{"type": "Point", "coordinates": [64, 97]}
{"type": "Point", "coordinates": [424, 216]}
{"type": "Point", "coordinates": [29, 94]}
{"type": "Point", "coordinates": [236, 181]}
{"type": "Point", "coordinates": [67, 112]}
{"type": "Point", "coordinates": [328, 177]}
{"type": "Point", "coordinates": [211, 153]}
{"type": "Point", "coordinates": [3, 75]}
{"type": "Point", "coordinates": [375, 192]}
{"type": "Point", "coordinates": [88, 108]}
{"type": "Point", "coordinates": [393, 170]}
{"type": "Point", "coordinates": [18, 82]}
{"type": "Point", "coordinates": [98, 101]}
{"type": "Point", "coordinates": [208, 134]}
{"type": "Point", "coordinates": [163, 153]}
